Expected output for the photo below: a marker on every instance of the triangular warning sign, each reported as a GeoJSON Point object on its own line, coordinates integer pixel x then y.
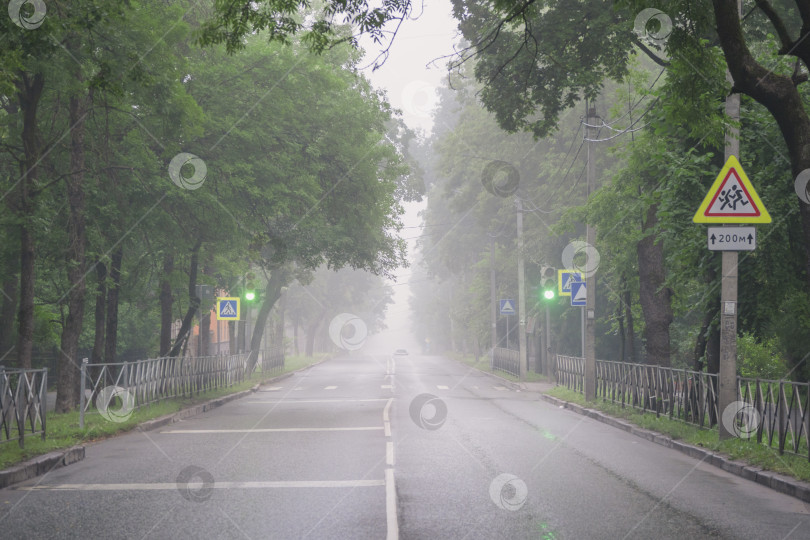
{"type": "Point", "coordinates": [732, 199]}
{"type": "Point", "coordinates": [227, 310]}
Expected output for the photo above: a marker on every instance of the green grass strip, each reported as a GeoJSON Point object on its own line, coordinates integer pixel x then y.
{"type": "Point", "coordinates": [745, 450]}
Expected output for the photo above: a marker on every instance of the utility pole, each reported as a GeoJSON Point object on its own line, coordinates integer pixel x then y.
{"type": "Point", "coordinates": [589, 315]}
{"type": "Point", "coordinates": [521, 290]}
{"type": "Point", "coordinates": [493, 301]}
{"type": "Point", "coordinates": [727, 378]}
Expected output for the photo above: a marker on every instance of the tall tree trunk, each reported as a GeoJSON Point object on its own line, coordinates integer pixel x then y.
{"type": "Point", "coordinates": [9, 306]}
{"type": "Point", "coordinates": [166, 302]}
{"type": "Point", "coordinates": [67, 388]}
{"type": "Point", "coordinates": [655, 299]}
{"type": "Point", "coordinates": [194, 302]}
{"type": "Point", "coordinates": [708, 327]}
{"type": "Point", "coordinates": [279, 278]}
{"type": "Point", "coordinates": [205, 333]}
{"type": "Point", "coordinates": [295, 337]}
{"type": "Point", "coordinates": [113, 295]}
{"type": "Point", "coordinates": [282, 306]}
{"type": "Point", "coordinates": [630, 333]}
{"type": "Point", "coordinates": [29, 92]}
{"type": "Point", "coordinates": [312, 331]}
{"type": "Point", "coordinates": [97, 356]}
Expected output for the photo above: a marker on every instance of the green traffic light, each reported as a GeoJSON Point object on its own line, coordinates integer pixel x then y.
{"type": "Point", "coordinates": [549, 294]}
{"type": "Point", "coordinates": [250, 296]}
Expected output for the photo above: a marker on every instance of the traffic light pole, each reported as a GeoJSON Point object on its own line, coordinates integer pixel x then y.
{"type": "Point", "coordinates": [589, 319]}
{"type": "Point", "coordinates": [521, 291]}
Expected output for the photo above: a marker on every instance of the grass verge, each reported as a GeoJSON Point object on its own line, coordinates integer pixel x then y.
{"type": "Point", "coordinates": [63, 429]}
{"type": "Point", "coordinates": [748, 451]}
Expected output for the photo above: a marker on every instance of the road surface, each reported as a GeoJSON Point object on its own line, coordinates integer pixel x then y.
{"type": "Point", "coordinates": [413, 447]}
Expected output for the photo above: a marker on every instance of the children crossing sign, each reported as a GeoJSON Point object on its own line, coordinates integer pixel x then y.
{"type": "Point", "coordinates": [732, 199]}
{"type": "Point", "coordinates": [228, 309]}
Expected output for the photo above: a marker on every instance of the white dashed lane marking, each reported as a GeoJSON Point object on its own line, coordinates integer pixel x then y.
{"type": "Point", "coordinates": [215, 485]}
{"type": "Point", "coordinates": [269, 430]}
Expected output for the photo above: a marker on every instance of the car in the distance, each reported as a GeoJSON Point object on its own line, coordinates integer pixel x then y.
{"type": "Point", "coordinates": [400, 352]}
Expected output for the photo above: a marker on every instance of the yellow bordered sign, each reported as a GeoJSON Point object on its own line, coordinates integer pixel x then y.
{"type": "Point", "coordinates": [228, 308]}
{"type": "Point", "coordinates": [564, 279]}
{"type": "Point", "coordinates": [732, 199]}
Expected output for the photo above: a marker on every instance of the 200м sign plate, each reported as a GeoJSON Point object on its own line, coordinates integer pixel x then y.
{"type": "Point", "coordinates": [732, 238]}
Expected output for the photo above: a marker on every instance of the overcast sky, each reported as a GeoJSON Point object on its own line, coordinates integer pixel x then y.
{"type": "Point", "coordinates": [411, 87]}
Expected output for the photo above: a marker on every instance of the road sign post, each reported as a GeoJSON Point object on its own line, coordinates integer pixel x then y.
{"type": "Point", "coordinates": [731, 200]}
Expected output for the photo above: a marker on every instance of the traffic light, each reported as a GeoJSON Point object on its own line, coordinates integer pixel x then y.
{"type": "Point", "coordinates": [249, 290]}
{"type": "Point", "coordinates": [548, 282]}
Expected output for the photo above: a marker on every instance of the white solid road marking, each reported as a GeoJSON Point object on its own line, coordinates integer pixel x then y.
{"type": "Point", "coordinates": [387, 417]}
{"type": "Point", "coordinates": [442, 387]}
{"type": "Point", "coordinates": [216, 485]}
{"type": "Point", "coordinates": [387, 410]}
{"type": "Point", "coordinates": [390, 488]}
{"type": "Point", "coordinates": [499, 388]}
{"type": "Point", "coordinates": [391, 505]}
{"type": "Point", "coordinates": [386, 386]}
{"type": "Point", "coordinates": [330, 387]}
{"type": "Point", "coordinates": [271, 389]}
{"type": "Point", "coordinates": [268, 430]}
{"type": "Point", "coordinates": [296, 401]}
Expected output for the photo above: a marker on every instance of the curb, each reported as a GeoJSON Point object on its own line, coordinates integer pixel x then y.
{"type": "Point", "coordinates": [40, 465]}
{"type": "Point", "coordinates": [45, 463]}
{"type": "Point", "coordinates": [778, 482]}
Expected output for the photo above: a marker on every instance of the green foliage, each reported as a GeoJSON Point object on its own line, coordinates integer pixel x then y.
{"type": "Point", "coordinates": [759, 360]}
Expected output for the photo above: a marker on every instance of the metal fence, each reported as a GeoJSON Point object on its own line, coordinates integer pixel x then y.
{"type": "Point", "coordinates": [271, 360]}
{"type": "Point", "coordinates": [23, 395]}
{"type": "Point", "coordinates": [777, 413]}
{"type": "Point", "coordinates": [506, 360]}
{"type": "Point", "coordinates": [143, 382]}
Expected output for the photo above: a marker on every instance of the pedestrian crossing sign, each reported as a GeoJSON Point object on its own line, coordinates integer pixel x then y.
{"type": "Point", "coordinates": [732, 199]}
{"type": "Point", "coordinates": [564, 280]}
{"type": "Point", "coordinates": [228, 309]}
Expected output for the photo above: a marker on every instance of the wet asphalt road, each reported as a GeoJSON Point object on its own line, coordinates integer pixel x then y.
{"type": "Point", "coordinates": [366, 446]}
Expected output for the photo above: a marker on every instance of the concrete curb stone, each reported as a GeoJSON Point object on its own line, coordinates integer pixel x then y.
{"type": "Point", "coordinates": [777, 482]}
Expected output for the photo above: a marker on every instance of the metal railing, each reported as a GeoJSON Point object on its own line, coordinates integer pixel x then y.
{"type": "Point", "coordinates": [23, 398]}
{"type": "Point", "coordinates": [777, 413]}
{"type": "Point", "coordinates": [506, 360]}
{"type": "Point", "coordinates": [271, 360]}
{"type": "Point", "coordinates": [144, 382]}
